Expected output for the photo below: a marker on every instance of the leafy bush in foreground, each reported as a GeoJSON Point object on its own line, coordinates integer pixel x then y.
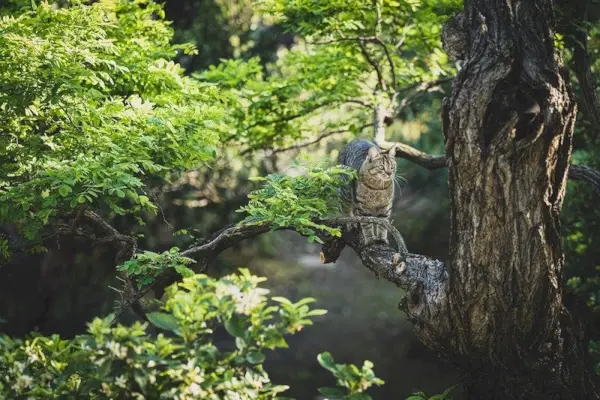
{"type": "Point", "coordinates": [189, 359]}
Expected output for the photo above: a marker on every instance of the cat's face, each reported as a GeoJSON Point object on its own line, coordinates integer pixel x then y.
{"type": "Point", "coordinates": [379, 165]}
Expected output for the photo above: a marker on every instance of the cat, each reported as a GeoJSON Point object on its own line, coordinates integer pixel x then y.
{"type": "Point", "coordinates": [372, 194]}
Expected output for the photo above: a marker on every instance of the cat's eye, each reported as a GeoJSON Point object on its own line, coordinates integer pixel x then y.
{"type": "Point", "coordinates": [381, 167]}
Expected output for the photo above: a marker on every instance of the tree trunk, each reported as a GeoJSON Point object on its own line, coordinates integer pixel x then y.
{"type": "Point", "coordinates": [508, 134]}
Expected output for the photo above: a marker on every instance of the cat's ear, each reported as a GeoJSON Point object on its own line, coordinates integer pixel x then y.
{"type": "Point", "coordinates": [373, 153]}
{"type": "Point", "coordinates": [392, 151]}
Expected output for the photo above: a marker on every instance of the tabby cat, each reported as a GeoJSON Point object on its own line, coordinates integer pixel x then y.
{"type": "Point", "coordinates": [372, 194]}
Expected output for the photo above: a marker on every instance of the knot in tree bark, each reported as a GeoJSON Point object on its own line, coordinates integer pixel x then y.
{"type": "Point", "coordinates": [454, 38]}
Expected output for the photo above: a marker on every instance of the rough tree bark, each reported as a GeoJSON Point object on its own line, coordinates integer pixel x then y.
{"type": "Point", "coordinates": [508, 130]}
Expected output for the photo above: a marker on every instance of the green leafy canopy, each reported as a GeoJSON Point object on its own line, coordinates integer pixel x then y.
{"type": "Point", "coordinates": [296, 202]}
{"type": "Point", "coordinates": [90, 106]}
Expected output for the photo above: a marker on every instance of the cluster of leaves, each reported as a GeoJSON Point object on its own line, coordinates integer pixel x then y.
{"type": "Point", "coordinates": [423, 396]}
{"type": "Point", "coordinates": [297, 202]}
{"type": "Point", "coordinates": [148, 265]}
{"type": "Point", "coordinates": [183, 363]}
{"type": "Point", "coordinates": [353, 382]}
{"type": "Point", "coordinates": [409, 32]}
{"type": "Point", "coordinates": [91, 106]}
{"type": "Point", "coordinates": [288, 104]}
{"type": "Point", "coordinates": [328, 72]}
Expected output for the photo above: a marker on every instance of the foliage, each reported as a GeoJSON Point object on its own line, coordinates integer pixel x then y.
{"type": "Point", "coordinates": [296, 202]}
{"type": "Point", "coordinates": [189, 360]}
{"type": "Point", "coordinates": [423, 396]}
{"type": "Point", "coordinates": [326, 82]}
{"type": "Point", "coordinates": [288, 104]}
{"type": "Point", "coordinates": [355, 381]}
{"type": "Point", "coordinates": [146, 266]}
{"type": "Point", "coordinates": [91, 107]}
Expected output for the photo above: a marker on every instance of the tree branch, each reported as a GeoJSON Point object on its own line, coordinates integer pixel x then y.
{"type": "Point", "coordinates": [310, 142]}
{"type": "Point", "coordinates": [374, 64]}
{"type": "Point", "coordinates": [418, 88]}
{"type": "Point", "coordinates": [390, 62]}
{"type": "Point", "coordinates": [419, 275]}
{"type": "Point", "coordinates": [432, 162]}
{"type": "Point", "coordinates": [586, 174]}
{"type": "Point", "coordinates": [418, 157]}
{"type": "Point", "coordinates": [110, 234]}
{"type": "Point", "coordinates": [366, 39]}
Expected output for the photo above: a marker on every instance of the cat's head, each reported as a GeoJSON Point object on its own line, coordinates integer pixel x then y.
{"type": "Point", "coordinates": [379, 165]}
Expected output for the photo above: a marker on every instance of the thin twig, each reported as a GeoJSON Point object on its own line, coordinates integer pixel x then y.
{"type": "Point", "coordinates": [361, 102]}
{"type": "Point", "coordinates": [379, 19]}
{"type": "Point", "coordinates": [316, 140]}
{"type": "Point", "coordinates": [311, 142]}
{"type": "Point", "coordinates": [390, 62]}
{"type": "Point", "coordinates": [288, 118]}
{"type": "Point", "coordinates": [70, 119]}
{"type": "Point", "coordinates": [367, 39]}
{"type": "Point", "coordinates": [419, 88]}
{"type": "Point", "coordinates": [374, 64]}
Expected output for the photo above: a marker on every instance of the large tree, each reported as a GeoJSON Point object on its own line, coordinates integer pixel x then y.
{"type": "Point", "coordinates": [496, 308]}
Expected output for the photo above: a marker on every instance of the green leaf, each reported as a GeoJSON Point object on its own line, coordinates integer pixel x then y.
{"type": "Point", "coordinates": [64, 190]}
{"type": "Point", "coordinates": [326, 361]}
{"type": "Point", "coordinates": [316, 312]}
{"type": "Point", "coordinates": [255, 357]}
{"type": "Point", "coordinates": [281, 300]}
{"type": "Point", "coordinates": [141, 380]}
{"type": "Point", "coordinates": [163, 321]}
{"type": "Point", "coordinates": [359, 396]}
{"type": "Point", "coordinates": [235, 326]}
{"type": "Point", "coordinates": [332, 393]}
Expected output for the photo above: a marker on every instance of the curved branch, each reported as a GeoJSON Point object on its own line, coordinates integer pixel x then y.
{"type": "Point", "coordinates": [310, 142]}
{"type": "Point", "coordinates": [374, 64]}
{"type": "Point", "coordinates": [409, 153]}
{"type": "Point", "coordinates": [432, 162]}
{"type": "Point", "coordinates": [420, 276]}
{"type": "Point", "coordinates": [418, 88]}
{"type": "Point", "coordinates": [366, 39]}
{"type": "Point", "coordinates": [390, 62]}
{"type": "Point", "coordinates": [586, 174]}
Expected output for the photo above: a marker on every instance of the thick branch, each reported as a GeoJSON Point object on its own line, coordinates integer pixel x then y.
{"type": "Point", "coordinates": [420, 276]}
{"type": "Point", "coordinates": [418, 157]}
{"type": "Point", "coordinates": [586, 174]}
{"type": "Point", "coordinates": [432, 162]}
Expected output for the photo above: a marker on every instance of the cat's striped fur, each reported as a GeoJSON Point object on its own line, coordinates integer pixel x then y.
{"type": "Point", "coordinates": [372, 194]}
